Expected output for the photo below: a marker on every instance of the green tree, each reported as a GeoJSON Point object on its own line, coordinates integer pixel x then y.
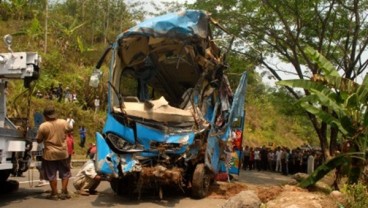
{"type": "Point", "coordinates": [346, 103]}
{"type": "Point", "coordinates": [279, 30]}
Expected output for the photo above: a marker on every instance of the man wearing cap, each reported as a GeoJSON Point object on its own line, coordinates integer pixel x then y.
{"type": "Point", "coordinates": [55, 156]}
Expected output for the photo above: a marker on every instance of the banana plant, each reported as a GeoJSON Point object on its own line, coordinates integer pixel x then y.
{"type": "Point", "coordinates": [82, 46]}
{"type": "Point", "coordinates": [341, 103]}
{"type": "Point", "coordinates": [68, 34]}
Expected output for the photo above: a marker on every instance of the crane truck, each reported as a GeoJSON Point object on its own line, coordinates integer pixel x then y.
{"type": "Point", "coordinates": [16, 141]}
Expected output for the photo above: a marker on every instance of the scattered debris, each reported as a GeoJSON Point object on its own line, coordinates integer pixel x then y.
{"type": "Point", "coordinates": [244, 199]}
{"type": "Point", "coordinates": [239, 194]}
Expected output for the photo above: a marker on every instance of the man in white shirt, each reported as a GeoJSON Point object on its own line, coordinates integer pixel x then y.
{"type": "Point", "coordinates": [97, 104]}
{"type": "Point", "coordinates": [278, 160]}
{"type": "Point", "coordinates": [87, 179]}
{"type": "Point", "coordinates": [70, 121]}
{"type": "Point", "coordinates": [257, 159]}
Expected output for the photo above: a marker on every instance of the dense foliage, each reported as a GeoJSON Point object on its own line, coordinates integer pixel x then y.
{"type": "Point", "coordinates": [279, 30]}
{"type": "Point", "coordinates": [341, 103]}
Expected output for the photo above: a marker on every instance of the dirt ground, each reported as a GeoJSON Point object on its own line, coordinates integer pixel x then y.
{"type": "Point", "coordinates": [270, 187]}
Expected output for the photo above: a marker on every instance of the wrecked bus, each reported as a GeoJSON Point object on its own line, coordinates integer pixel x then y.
{"type": "Point", "coordinates": [170, 106]}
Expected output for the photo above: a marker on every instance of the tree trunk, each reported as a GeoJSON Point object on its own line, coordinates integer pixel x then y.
{"type": "Point", "coordinates": [46, 25]}
{"type": "Point", "coordinates": [333, 140]}
{"type": "Point", "coordinates": [321, 132]}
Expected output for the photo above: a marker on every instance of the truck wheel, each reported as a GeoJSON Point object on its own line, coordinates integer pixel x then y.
{"type": "Point", "coordinates": [117, 186]}
{"type": "Point", "coordinates": [201, 182]}
{"type": "Point", "coordinates": [123, 186]}
{"type": "Point", "coordinates": [8, 186]}
{"type": "Point", "coordinates": [4, 175]}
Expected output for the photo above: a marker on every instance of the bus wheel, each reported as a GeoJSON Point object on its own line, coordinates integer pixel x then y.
{"type": "Point", "coordinates": [201, 182]}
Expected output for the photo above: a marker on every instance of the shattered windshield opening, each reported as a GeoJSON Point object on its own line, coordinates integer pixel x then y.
{"type": "Point", "coordinates": [131, 86]}
{"type": "Point", "coordinates": [169, 69]}
{"type": "Point", "coordinates": [170, 62]}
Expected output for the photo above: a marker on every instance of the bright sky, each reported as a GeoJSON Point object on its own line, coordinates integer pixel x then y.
{"type": "Point", "coordinates": [147, 3]}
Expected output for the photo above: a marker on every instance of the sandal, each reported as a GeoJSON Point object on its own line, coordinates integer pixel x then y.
{"type": "Point", "coordinates": [83, 193]}
{"type": "Point", "coordinates": [53, 197]}
{"type": "Point", "coordinates": [65, 195]}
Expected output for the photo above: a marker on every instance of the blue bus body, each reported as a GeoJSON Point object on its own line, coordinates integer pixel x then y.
{"type": "Point", "coordinates": [170, 106]}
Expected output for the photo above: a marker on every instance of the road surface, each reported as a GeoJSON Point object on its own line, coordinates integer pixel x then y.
{"type": "Point", "coordinates": [28, 196]}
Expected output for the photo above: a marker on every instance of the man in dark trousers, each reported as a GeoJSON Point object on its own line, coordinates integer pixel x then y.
{"type": "Point", "coordinates": [246, 158]}
{"type": "Point", "coordinates": [55, 156]}
{"type": "Point", "coordinates": [264, 159]}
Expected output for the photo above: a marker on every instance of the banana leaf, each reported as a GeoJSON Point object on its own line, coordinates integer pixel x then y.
{"type": "Point", "coordinates": [325, 65]}
{"type": "Point", "coordinates": [324, 169]}
{"type": "Point", "coordinates": [302, 83]}
{"type": "Point", "coordinates": [347, 123]}
{"type": "Point", "coordinates": [342, 84]}
{"type": "Point", "coordinates": [363, 90]}
{"type": "Point", "coordinates": [324, 116]}
{"type": "Point", "coordinates": [325, 100]}
{"type": "Point", "coordinates": [330, 74]}
{"type": "Point", "coordinates": [352, 101]}
{"type": "Point", "coordinates": [311, 98]}
{"type": "Point", "coordinates": [365, 120]}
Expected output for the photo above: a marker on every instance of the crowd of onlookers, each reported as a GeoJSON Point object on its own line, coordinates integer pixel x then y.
{"type": "Point", "coordinates": [281, 159]}
{"type": "Point", "coordinates": [58, 93]}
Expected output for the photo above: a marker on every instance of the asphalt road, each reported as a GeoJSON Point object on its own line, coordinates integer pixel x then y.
{"type": "Point", "coordinates": [29, 196]}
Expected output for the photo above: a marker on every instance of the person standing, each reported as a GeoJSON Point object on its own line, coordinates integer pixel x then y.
{"type": "Point", "coordinates": [278, 160]}
{"type": "Point", "coordinates": [59, 92]}
{"type": "Point", "coordinates": [70, 146]}
{"type": "Point", "coordinates": [246, 154]}
{"type": "Point", "coordinates": [310, 163]}
{"type": "Point", "coordinates": [42, 181]}
{"type": "Point", "coordinates": [74, 97]}
{"type": "Point", "coordinates": [82, 136]}
{"type": "Point", "coordinates": [70, 121]}
{"type": "Point", "coordinates": [251, 159]}
{"type": "Point", "coordinates": [97, 104]}
{"type": "Point", "coordinates": [68, 95]}
{"type": "Point", "coordinates": [271, 160]}
{"type": "Point", "coordinates": [299, 160]}
{"type": "Point", "coordinates": [264, 160]}
{"type": "Point", "coordinates": [257, 158]}
{"type": "Point", "coordinates": [52, 133]}
{"type": "Point", "coordinates": [285, 161]}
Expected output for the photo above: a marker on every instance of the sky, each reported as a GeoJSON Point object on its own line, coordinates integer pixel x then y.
{"type": "Point", "coordinates": [149, 8]}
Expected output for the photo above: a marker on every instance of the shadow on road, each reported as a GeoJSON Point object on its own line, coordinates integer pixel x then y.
{"type": "Point", "coordinates": [19, 196]}
{"type": "Point", "coordinates": [266, 178]}
{"type": "Point", "coordinates": [108, 198]}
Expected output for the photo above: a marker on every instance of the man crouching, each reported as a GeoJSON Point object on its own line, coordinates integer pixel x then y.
{"type": "Point", "coordinates": [87, 179]}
